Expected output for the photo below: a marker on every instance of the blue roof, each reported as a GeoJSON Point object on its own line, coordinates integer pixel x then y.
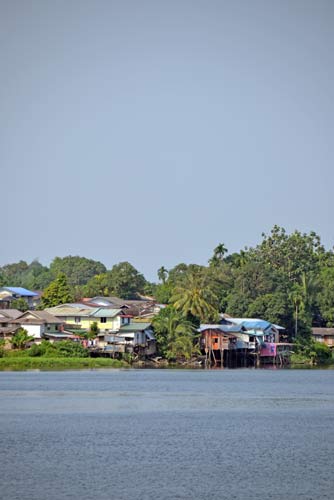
{"type": "Point", "coordinates": [222, 328]}
{"type": "Point", "coordinates": [20, 291]}
{"type": "Point", "coordinates": [258, 324]}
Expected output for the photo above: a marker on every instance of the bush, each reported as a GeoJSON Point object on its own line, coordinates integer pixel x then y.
{"type": "Point", "coordinates": [62, 349]}
{"type": "Point", "coordinates": [35, 350]}
{"type": "Point", "coordinates": [70, 349]}
{"type": "Point", "coordinates": [315, 352]}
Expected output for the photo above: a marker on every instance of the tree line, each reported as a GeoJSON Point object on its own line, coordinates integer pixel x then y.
{"type": "Point", "coordinates": [287, 279]}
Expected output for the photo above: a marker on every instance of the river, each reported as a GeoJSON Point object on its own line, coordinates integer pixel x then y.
{"type": "Point", "coordinates": [167, 434]}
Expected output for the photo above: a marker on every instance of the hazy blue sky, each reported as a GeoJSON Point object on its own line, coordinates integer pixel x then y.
{"type": "Point", "coordinates": [150, 131]}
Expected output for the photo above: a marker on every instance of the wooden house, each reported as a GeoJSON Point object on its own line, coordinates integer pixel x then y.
{"type": "Point", "coordinates": [324, 335]}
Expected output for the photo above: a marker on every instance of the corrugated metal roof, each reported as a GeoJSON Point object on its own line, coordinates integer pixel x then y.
{"type": "Point", "coordinates": [135, 327]}
{"type": "Point", "coordinates": [18, 290]}
{"type": "Point", "coordinates": [222, 328]}
{"type": "Point", "coordinates": [102, 312]}
{"type": "Point", "coordinates": [256, 324]}
{"type": "Point", "coordinates": [69, 311]}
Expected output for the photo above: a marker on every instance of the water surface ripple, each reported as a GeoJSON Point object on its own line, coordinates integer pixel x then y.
{"type": "Point", "coordinates": [167, 434]}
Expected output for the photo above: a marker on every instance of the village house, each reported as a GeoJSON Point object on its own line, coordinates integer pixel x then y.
{"type": "Point", "coordinates": [236, 338]}
{"type": "Point", "coordinates": [137, 338]}
{"type": "Point", "coordinates": [79, 317]}
{"type": "Point", "coordinates": [40, 324]}
{"type": "Point", "coordinates": [324, 335]}
{"type": "Point", "coordinates": [10, 293]}
{"type": "Point", "coordinates": [140, 308]}
{"type": "Point", "coordinates": [8, 327]}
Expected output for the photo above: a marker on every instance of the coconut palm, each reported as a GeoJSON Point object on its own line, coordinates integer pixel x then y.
{"type": "Point", "coordinates": [196, 297]}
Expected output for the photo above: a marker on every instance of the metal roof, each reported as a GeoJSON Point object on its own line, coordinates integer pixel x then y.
{"type": "Point", "coordinates": [135, 327]}
{"type": "Point", "coordinates": [68, 311]}
{"type": "Point", "coordinates": [102, 312]}
{"type": "Point", "coordinates": [222, 328]}
{"type": "Point", "coordinates": [18, 290]}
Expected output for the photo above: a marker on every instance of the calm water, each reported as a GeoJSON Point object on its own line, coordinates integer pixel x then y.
{"type": "Point", "coordinates": [167, 434]}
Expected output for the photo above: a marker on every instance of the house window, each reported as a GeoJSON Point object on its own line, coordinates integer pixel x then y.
{"type": "Point", "coordinates": [215, 341]}
{"type": "Point", "coordinates": [77, 319]}
{"type": "Point", "coordinates": [103, 320]}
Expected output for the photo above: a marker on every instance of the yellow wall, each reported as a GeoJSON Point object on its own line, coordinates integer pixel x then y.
{"type": "Point", "coordinates": [111, 324]}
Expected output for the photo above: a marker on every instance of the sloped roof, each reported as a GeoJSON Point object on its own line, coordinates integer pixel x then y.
{"type": "Point", "coordinates": [135, 327]}
{"type": "Point", "coordinates": [102, 312]}
{"type": "Point", "coordinates": [223, 328]}
{"type": "Point", "coordinates": [322, 332]}
{"type": "Point", "coordinates": [251, 323]}
{"type": "Point", "coordinates": [65, 310]}
{"type": "Point", "coordinates": [18, 290]}
{"type": "Point", "coordinates": [43, 316]}
{"type": "Point", "coordinates": [10, 313]}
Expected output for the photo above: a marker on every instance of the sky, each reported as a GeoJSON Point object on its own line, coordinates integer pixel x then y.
{"type": "Point", "coordinates": [150, 131]}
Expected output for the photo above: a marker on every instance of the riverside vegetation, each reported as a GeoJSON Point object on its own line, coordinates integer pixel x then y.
{"type": "Point", "coordinates": [287, 279]}
{"type": "Point", "coordinates": [60, 355]}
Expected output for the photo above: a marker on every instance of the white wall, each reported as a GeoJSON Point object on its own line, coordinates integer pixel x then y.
{"type": "Point", "coordinates": [34, 330]}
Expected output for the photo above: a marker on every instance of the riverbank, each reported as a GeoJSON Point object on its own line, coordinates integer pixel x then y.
{"type": "Point", "coordinates": [45, 363]}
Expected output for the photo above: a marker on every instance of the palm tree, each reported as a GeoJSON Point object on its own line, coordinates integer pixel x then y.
{"type": "Point", "coordinates": [162, 274]}
{"type": "Point", "coordinates": [218, 255]}
{"type": "Point", "coordinates": [196, 298]}
{"type": "Point", "coordinates": [174, 333]}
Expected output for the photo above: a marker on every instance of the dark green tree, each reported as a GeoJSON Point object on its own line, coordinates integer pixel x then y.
{"type": "Point", "coordinates": [126, 282]}
{"type": "Point", "coordinates": [58, 292]}
{"type": "Point", "coordinates": [21, 338]}
{"type": "Point", "coordinates": [176, 336]}
{"type": "Point", "coordinates": [19, 304]}
{"type": "Point", "coordinates": [78, 270]}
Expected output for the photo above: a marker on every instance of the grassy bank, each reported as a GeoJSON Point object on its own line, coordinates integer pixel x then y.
{"type": "Point", "coordinates": [46, 363]}
{"type": "Point", "coordinates": [298, 360]}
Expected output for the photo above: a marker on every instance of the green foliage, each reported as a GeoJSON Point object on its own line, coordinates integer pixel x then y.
{"type": "Point", "coordinates": [58, 292]}
{"type": "Point", "coordinates": [175, 334]}
{"type": "Point", "coordinates": [326, 295]}
{"type": "Point", "coordinates": [195, 297]}
{"type": "Point", "coordinates": [127, 282]}
{"type": "Point", "coordinates": [315, 352]}
{"type": "Point", "coordinates": [33, 276]}
{"type": "Point", "coordinates": [21, 339]}
{"type": "Point", "coordinates": [12, 273]}
{"type": "Point", "coordinates": [163, 293]}
{"type": "Point", "coordinates": [123, 281]}
{"type": "Point", "coordinates": [2, 348]}
{"type": "Point", "coordinates": [78, 270]}
{"type": "Point", "coordinates": [218, 255]}
{"type": "Point", "coordinates": [20, 304]}
{"type": "Point", "coordinates": [63, 349]}
{"type": "Point", "coordinates": [162, 274]}
{"type": "Point", "coordinates": [94, 330]}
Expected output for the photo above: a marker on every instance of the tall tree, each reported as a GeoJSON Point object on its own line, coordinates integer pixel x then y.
{"type": "Point", "coordinates": [78, 270]}
{"type": "Point", "coordinates": [126, 282]}
{"type": "Point", "coordinates": [195, 298]}
{"type": "Point", "coordinates": [162, 274]}
{"type": "Point", "coordinates": [58, 292]}
{"type": "Point", "coordinates": [218, 255]}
